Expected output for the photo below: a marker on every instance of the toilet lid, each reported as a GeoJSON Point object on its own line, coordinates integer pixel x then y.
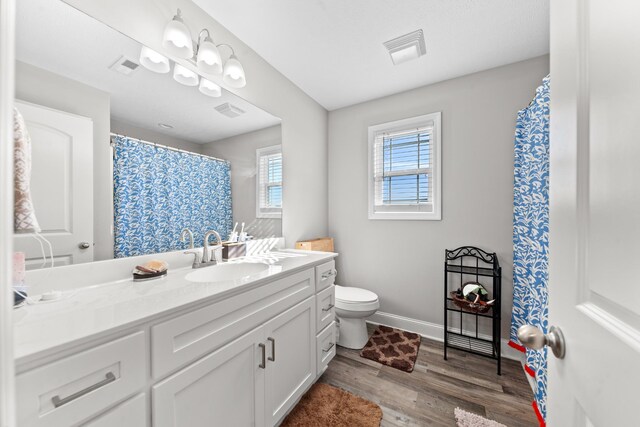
{"type": "Point", "coordinates": [348, 295]}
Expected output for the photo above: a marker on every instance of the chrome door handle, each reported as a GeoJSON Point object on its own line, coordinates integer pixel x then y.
{"type": "Point", "coordinates": [329, 307]}
{"type": "Point", "coordinates": [328, 349]}
{"type": "Point", "coordinates": [532, 337]}
{"type": "Point", "coordinates": [264, 355]}
{"type": "Point", "coordinates": [58, 402]}
{"type": "Point", "coordinates": [272, 358]}
{"type": "Point", "coordinates": [84, 245]}
{"type": "Point", "coordinates": [329, 274]}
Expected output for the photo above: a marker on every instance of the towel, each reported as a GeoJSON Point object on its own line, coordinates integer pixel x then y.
{"type": "Point", "coordinates": [24, 216]}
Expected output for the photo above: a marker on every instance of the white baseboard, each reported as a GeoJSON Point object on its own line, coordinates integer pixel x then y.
{"type": "Point", "coordinates": [432, 331]}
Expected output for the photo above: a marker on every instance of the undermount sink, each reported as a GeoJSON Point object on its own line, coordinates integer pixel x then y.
{"type": "Point", "coordinates": [226, 272]}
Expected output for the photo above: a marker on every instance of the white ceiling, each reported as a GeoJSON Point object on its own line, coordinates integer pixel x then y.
{"type": "Point", "coordinates": [332, 49]}
{"type": "Point", "coordinates": [56, 37]}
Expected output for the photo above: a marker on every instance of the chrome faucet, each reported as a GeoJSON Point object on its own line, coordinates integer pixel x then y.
{"type": "Point", "coordinates": [206, 252]}
{"type": "Point", "coordinates": [205, 259]}
{"type": "Point", "coordinates": [187, 233]}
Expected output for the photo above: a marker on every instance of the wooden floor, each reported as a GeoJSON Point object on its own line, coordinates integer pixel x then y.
{"type": "Point", "coordinates": [428, 395]}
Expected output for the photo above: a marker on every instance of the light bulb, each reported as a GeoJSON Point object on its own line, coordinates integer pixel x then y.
{"type": "Point", "coordinates": [177, 38]}
{"type": "Point", "coordinates": [185, 76]}
{"type": "Point", "coordinates": [153, 61]}
{"type": "Point", "coordinates": [210, 88]}
{"type": "Point", "coordinates": [234, 73]}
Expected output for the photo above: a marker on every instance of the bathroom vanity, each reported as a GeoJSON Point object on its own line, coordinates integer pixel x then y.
{"type": "Point", "coordinates": [231, 346]}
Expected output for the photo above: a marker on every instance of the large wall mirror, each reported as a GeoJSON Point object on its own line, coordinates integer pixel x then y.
{"type": "Point", "coordinates": [125, 158]}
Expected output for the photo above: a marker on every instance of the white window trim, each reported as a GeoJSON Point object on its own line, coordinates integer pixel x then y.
{"type": "Point", "coordinates": [418, 121]}
{"type": "Point", "coordinates": [260, 212]}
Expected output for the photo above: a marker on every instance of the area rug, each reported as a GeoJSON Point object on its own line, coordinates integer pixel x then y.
{"type": "Point", "coordinates": [467, 419]}
{"type": "Point", "coordinates": [393, 347]}
{"type": "Point", "coordinates": [328, 406]}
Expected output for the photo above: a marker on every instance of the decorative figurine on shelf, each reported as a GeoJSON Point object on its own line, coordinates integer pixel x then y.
{"type": "Point", "coordinates": [475, 293]}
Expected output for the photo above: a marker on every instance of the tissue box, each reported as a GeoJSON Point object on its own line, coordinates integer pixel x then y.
{"type": "Point", "coordinates": [233, 250]}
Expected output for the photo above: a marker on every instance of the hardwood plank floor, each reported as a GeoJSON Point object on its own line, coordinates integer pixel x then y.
{"type": "Point", "coordinates": [428, 395]}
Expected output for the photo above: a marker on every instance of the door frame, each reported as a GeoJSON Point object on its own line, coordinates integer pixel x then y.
{"type": "Point", "coordinates": [7, 70]}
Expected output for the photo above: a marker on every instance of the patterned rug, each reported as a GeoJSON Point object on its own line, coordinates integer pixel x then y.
{"type": "Point", "coordinates": [468, 419]}
{"type": "Point", "coordinates": [392, 347]}
{"type": "Point", "coordinates": [328, 406]}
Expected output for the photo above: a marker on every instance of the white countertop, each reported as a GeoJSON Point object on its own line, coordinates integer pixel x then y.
{"type": "Point", "coordinates": [84, 313]}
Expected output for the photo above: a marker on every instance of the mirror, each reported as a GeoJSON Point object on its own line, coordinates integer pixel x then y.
{"type": "Point", "coordinates": [125, 158]}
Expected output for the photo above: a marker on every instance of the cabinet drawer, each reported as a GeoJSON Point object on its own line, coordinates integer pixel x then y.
{"type": "Point", "coordinates": [326, 347]}
{"type": "Point", "coordinates": [325, 307]}
{"type": "Point", "coordinates": [73, 389]}
{"type": "Point", "coordinates": [132, 413]}
{"type": "Point", "coordinates": [181, 340]}
{"type": "Point", "coordinates": [325, 275]}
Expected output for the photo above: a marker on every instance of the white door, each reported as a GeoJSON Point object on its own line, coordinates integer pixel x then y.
{"type": "Point", "coordinates": [291, 358]}
{"type": "Point", "coordinates": [594, 285]}
{"type": "Point", "coordinates": [61, 184]}
{"type": "Point", "coordinates": [225, 388]}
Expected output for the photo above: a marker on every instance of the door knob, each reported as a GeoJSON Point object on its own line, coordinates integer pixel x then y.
{"type": "Point", "coordinates": [532, 337]}
{"type": "Point", "coordinates": [84, 245]}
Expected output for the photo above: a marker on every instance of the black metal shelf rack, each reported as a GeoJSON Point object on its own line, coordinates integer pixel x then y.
{"type": "Point", "coordinates": [467, 262]}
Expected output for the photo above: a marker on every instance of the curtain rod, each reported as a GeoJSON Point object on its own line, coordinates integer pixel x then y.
{"type": "Point", "coordinates": [168, 147]}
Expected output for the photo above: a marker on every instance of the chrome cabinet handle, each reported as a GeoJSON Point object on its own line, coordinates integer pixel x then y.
{"type": "Point", "coordinates": [263, 364]}
{"type": "Point", "coordinates": [329, 274]}
{"type": "Point", "coordinates": [329, 307]}
{"type": "Point", "coordinates": [534, 338]}
{"type": "Point", "coordinates": [327, 350]}
{"type": "Point", "coordinates": [84, 245]}
{"type": "Point", "coordinates": [273, 349]}
{"type": "Point", "coordinates": [58, 402]}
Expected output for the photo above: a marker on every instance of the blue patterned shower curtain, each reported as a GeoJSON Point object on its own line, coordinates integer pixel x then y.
{"type": "Point", "coordinates": [531, 235]}
{"type": "Point", "coordinates": [157, 192]}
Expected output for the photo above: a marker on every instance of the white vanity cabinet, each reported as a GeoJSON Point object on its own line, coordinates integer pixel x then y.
{"type": "Point", "coordinates": [240, 360]}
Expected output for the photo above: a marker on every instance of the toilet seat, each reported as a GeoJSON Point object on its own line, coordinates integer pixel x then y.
{"type": "Point", "coordinates": [356, 299]}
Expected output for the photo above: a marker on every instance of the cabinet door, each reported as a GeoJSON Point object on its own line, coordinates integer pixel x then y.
{"type": "Point", "coordinates": [225, 388]}
{"type": "Point", "coordinates": [291, 358]}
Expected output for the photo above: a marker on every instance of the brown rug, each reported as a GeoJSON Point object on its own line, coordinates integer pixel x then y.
{"type": "Point", "coordinates": [467, 419]}
{"type": "Point", "coordinates": [393, 347]}
{"type": "Point", "coordinates": [328, 406]}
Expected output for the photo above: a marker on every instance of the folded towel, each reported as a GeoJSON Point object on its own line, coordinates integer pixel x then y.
{"type": "Point", "coordinates": [24, 215]}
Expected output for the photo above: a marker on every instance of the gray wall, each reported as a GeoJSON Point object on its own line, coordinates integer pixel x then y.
{"type": "Point", "coordinates": [402, 261]}
{"type": "Point", "coordinates": [304, 121]}
{"type": "Point", "coordinates": [240, 150]}
{"type": "Point", "coordinates": [124, 128]}
{"type": "Point", "coordinates": [54, 91]}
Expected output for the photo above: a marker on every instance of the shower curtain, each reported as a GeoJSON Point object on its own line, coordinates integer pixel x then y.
{"type": "Point", "coordinates": [531, 236]}
{"type": "Point", "coordinates": [157, 192]}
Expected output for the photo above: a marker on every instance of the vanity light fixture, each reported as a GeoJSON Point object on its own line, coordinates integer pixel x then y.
{"type": "Point", "coordinates": [407, 47]}
{"type": "Point", "coordinates": [185, 76]}
{"type": "Point", "coordinates": [233, 73]}
{"type": "Point", "coordinates": [208, 56]}
{"type": "Point", "coordinates": [177, 38]}
{"type": "Point", "coordinates": [153, 61]}
{"type": "Point", "coordinates": [209, 88]}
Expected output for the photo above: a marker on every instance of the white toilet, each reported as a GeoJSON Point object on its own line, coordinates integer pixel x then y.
{"type": "Point", "coordinates": [353, 305]}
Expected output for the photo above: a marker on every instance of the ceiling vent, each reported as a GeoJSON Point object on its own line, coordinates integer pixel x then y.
{"type": "Point", "coordinates": [229, 110]}
{"type": "Point", "coordinates": [407, 47]}
{"type": "Point", "coordinates": [124, 65]}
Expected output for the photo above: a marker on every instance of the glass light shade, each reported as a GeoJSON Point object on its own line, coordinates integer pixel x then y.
{"type": "Point", "coordinates": [208, 59]}
{"type": "Point", "coordinates": [210, 88]}
{"type": "Point", "coordinates": [185, 76]}
{"type": "Point", "coordinates": [177, 38]}
{"type": "Point", "coordinates": [234, 73]}
{"type": "Point", "coordinates": [153, 61]}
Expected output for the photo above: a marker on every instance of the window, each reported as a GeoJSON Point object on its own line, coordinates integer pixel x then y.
{"type": "Point", "coordinates": [404, 169]}
{"type": "Point", "coordinates": [269, 182]}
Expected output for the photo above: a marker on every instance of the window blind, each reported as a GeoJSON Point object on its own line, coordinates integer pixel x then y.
{"type": "Point", "coordinates": [269, 183]}
{"type": "Point", "coordinates": [403, 170]}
